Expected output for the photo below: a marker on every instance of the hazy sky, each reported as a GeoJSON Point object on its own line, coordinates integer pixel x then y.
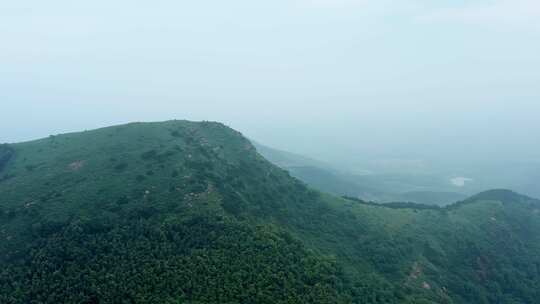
{"type": "Point", "coordinates": [334, 79]}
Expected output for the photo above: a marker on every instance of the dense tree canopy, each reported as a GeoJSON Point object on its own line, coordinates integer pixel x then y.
{"type": "Point", "coordinates": [182, 212]}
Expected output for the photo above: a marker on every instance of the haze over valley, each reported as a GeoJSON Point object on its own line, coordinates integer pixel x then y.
{"type": "Point", "coordinates": [277, 152]}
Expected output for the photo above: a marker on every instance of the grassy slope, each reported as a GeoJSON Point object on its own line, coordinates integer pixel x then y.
{"type": "Point", "coordinates": [204, 186]}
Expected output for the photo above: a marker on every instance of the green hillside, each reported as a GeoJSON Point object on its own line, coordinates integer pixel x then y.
{"type": "Point", "coordinates": [184, 212]}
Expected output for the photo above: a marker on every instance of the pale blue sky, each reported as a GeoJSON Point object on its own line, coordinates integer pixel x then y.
{"type": "Point", "coordinates": [331, 79]}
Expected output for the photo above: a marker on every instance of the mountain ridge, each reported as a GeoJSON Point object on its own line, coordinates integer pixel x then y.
{"type": "Point", "coordinates": [199, 198]}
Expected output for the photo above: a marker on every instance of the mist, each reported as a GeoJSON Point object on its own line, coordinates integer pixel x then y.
{"type": "Point", "coordinates": [380, 85]}
{"type": "Point", "coordinates": [282, 151]}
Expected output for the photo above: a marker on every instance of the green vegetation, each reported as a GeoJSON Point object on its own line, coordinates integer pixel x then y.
{"type": "Point", "coordinates": [183, 212]}
{"type": "Point", "coordinates": [6, 153]}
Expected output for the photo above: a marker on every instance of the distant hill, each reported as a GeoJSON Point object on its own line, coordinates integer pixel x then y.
{"type": "Point", "coordinates": [373, 187]}
{"type": "Point", "coordinates": [186, 212]}
{"type": "Point", "coordinates": [440, 198]}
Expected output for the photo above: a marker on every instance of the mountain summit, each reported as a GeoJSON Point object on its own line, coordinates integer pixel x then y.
{"type": "Point", "coordinates": [190, 212]}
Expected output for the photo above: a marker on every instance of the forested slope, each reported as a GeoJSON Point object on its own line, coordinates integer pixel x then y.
{"type": "Point", "coordinates": [184, 212]}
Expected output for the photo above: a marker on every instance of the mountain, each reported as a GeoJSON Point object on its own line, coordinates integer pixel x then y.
{"type": "Point", "coordinates": [186, 212]}
{"type": "Point", "coordinates": [384, 188]}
